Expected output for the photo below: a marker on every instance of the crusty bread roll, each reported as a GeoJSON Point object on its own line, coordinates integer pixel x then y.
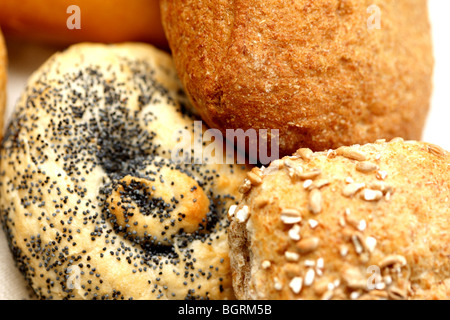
{"type": "Point", "coordinates": [359, 222]}
{"type": "Point", "coordinates": [3, 78]}
{"type": "Point", "coordinates": [101, 21]}
{"type": "Point", "coordinates": [92, 200]}
{"type": "Point", "coordinates": [319, 71]}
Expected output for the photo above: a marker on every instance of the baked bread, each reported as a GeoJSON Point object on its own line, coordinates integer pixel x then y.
{"type": "Point", "coordinates": [92, 199]}
{"type": "Point", "coordinates": [100, 21]}
{"type": "Point", "coordinates": [359, 222]}
{"type": "Point", "coordinates": [3, 77]}
{"type": "Point", "coordinates": [315, 70]}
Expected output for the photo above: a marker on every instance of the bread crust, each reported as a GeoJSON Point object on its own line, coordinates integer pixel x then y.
{"type": "Point", "coordinates": [86, 168]}
{"type": "Point", "coordinates": [311, 69]}
{"type": "Point", "coordinates": [372, 229]}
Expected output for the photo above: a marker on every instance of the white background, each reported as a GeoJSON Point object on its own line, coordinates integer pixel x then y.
{"type": "Point", "coordinates": [25, 58]}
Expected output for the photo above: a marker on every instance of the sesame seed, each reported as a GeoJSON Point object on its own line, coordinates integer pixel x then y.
{"type": "Point", "coordinates": [242, 214]}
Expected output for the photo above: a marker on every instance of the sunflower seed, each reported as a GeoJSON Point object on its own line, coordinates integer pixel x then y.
{"type": "Point", "coordinates": [294, 232]}
{"type": "Point", "coordinates": [436, 150]}
{"type": "Point", "coordinates": [371, 195]}
{"type": "Point", "coordinates": [371, 243]}
{"type": "Point", "coordinates": [321, 183]}
{"type": "Point", "coordinates": [232, 210]}
{"type": "Point", "coordinates": [351, 189]}
{"type": "Point", "coordinates": [393, 260]}
{"type": "Point", "coordinates": [396, 293]}
{"type": "Point", "coordinates": [309, 277]}
{"type": "Point", "coordinates": [308, 245]}
{"type": "Point", "coordinates": [357, 243]}
{"type": "Point", "coordinates": [352, 154]}
{"type": "Point", "coordinates": [266, 264]}
{"type": "Point", "coordinates": [245, 186]}
{"type": "Point", "coordinates": [242, 215]}
{"type": "Point", "coordinates": [307, 184]}
{"type": "Point", "coordinates": [277, 284]}
{"type": "Point", "coordinates": [290, 216]}
{"type": "Point", "coordinates": [254, 179]}
{"type": "Point", "coordinates": [305, 153]}
{"type": "Point", "coordinates": [398, 139]}
{"type": "Point", "coordinates": [290, 164]}
{"type": "Point", "coordinates": [366, 167]}
{"type": "Point", "coordinates": [315, 201]}
{"type": "Point", "coordinates": [291, 256]}
{"type": "Point", "coordinates": [381, 186]}
{"type": "Point", "coordinates": [328, 295]}
{"type": "Point", "coordinates": [313, 223]}
{"type": "Point", "coordinates": [308, 175]}
{"type": "Point", "coordinates": [381, 175]}
{"type": "Point", "coordinates": [343, 251]}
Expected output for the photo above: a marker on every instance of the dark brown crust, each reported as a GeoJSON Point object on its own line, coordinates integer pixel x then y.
{"type": "Point", "coordinates": [311, 69]}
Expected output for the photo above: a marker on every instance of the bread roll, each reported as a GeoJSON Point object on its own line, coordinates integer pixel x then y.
{"type": "Point", "coordinates": [100, 21]}
{"type": "Point", "coordinates": [359, 222]}
{"type": "Point", "coordinates": [3, 78]}
{"type": "Point", "coordinates": [318, 71]}
{"type": "Point", "coordinates": [93, 203]}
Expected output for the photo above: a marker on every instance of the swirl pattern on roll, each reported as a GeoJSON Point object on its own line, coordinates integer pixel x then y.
{"type": "Point", "coordinates": [92, 204]}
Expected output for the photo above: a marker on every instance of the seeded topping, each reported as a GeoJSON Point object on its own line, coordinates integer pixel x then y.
{"type": "Point", "coordinates": [371, 195]}
{"type": "Point", "coordinates": [366, 167]}
{"type": "Point", "coordinates": [290, 216]}
{"type": "Point", "coordinates": [87, 160]}
{"type": "Point", "coordinates": [242, 214]}
{"type": "Point", "coordinates": [315, 201]}
{"type": "Point", "coordinates": [296, 284]}
{"type": "Point", "coordinates": [351, 154]}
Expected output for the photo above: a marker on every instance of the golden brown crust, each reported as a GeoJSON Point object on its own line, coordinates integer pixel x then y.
{"type": "Point", "coordinates": [101, 21]}
{"type": "Point", "coordinates": [3, 78]}
{"type": "Point", "coordinates": [299, 235]}
{"type": "Point", "coordinates": [100, 122]}
{"type": "Point", "coordinates": [311, 69]}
